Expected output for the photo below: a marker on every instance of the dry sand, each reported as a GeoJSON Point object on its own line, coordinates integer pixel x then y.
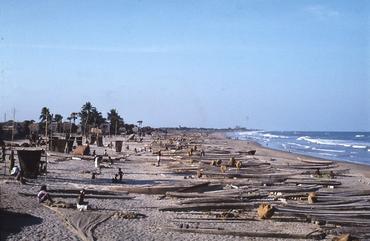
{"type": "Point", "coordinates": [22, 218]}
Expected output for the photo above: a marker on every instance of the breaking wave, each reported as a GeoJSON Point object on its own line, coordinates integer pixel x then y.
{"type": "Point", "coordinates": [348, 146]}
{"type": "Point", "coordinates": [328, 150]}
{"type": "Point", "coordinates": [359, 147]}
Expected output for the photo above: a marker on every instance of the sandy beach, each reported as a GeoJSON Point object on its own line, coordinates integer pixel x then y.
{"type": "Point", "coordinates": [173, 202]}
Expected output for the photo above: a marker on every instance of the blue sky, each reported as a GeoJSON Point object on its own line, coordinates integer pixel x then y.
{"type": "Point", "coordinates": [275, 65]}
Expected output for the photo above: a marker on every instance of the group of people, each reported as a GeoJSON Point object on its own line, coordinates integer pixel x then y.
{"type": "Point", "coordinates": [43, 196]}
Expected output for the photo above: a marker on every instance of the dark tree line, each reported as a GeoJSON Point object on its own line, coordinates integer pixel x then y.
{"type": "Point", "coordinates": [89, 117]}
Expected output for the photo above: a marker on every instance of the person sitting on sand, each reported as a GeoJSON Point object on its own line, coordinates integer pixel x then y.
{"type": "Point", "coordinates": [43, 195]}
{"type": "Point", "coordinates": [317, 172]}
{"type": "Point", "coordinates": [120, 173]}
{"type": "Point", "coordinates": [81, 204]}
{"type": "Point", "coordinates": [15, 171]}
{"type": "Point", "coordinates": [115, 178]}
{"type": "Point", "coordinates": [81, 198]}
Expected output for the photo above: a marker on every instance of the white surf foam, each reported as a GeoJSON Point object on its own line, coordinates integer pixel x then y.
{"type": "Point", "coordinates": [328, 142]}
{"type": "Point", "coordinates": [248, 133]}
{"type": "Point", "coordinates": [299, 145]}
{"type": "Point", "coordinates": [326, 154]}
{"type": "Point", "coordinates": [268, 135]}
{"type": "Point", "coordinates": [328, 150]}
{"type": "Point", "coordinates": [359, 146]}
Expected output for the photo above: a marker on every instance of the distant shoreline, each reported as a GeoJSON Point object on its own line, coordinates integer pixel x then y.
{"type": "Point", "coordinates": [360, 168]}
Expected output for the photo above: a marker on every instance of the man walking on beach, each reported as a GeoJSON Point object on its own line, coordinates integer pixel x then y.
{"type": "Point", "coordinates": [159, 158]}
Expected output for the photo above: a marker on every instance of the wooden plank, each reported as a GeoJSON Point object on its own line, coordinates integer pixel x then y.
{"type": "Point", "coordinates": [245, 234]}
{"type": "Point", "coordinates": [88, 196]}
{"type": "Point", "coordinates": [209, 207]}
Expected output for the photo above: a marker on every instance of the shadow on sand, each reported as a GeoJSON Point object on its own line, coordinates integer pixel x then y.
{"type": "Point", "coordinates": [11, 222]}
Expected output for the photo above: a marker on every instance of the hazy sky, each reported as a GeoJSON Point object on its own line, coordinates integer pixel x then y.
{"type": "Point", "coordinates": [276, 65]}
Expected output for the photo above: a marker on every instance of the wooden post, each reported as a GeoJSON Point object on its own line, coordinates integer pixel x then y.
{"type": "Point", "coordinates": [46, 126]}
{"type": "Point", "coordinates": [4, 162]}
{"type": "Point", "coordinates": [46, 166]}
{"type": "Point", "coordinates": [88, 115]}
{"type": "Point", "coordinates": [115, 130]}
{"type": "Point", "coordinates": [70, 126]}
{"type": "Point", "coordinates": [46, 130]}
{"type": "Point", "coordinates": [13, 128]}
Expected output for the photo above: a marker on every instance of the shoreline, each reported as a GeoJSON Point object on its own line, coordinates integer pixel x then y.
{"type": "Point", "coordinates": [361, 167]}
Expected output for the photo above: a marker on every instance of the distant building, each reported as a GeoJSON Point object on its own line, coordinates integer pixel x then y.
{"type": "Point", "coordinates": [66, 126]}
{"type": "Point", "coordinates": [105, 128]}
{"type": "Point", "coordinates": [34, 128]}
{"type": "Point", "coordinates": [54, 126]}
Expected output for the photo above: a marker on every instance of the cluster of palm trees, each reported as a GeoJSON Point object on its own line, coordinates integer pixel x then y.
{"type": "Point", "coordinates": [89, 117]}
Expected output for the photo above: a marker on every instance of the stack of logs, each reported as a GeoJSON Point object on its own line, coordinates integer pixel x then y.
{"type": "Point", "coordinates": [307, 191]}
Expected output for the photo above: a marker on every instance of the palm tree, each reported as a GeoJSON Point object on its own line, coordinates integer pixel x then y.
{"type": "Point", "coordinates": [115, 120]}
{"type": "Point", "coordinates": [58, 117]}
{"type": "Point", "coordinates": [73, 117]}
{"type": "Point", "coordinates": [90, 116]}
{"type": "Point", "coordinates": [85, 116]}
{"type": "Point", "coordinates": [45, 114]}
{"type": "Point", "coordinates": [140, 122]}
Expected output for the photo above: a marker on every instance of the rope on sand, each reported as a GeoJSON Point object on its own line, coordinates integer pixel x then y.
{"type": "Point", "coordinates": [82, 224]}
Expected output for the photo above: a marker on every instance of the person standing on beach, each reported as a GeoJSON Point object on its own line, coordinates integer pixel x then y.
{"type": "Point", "coordinates": [159, 158]}
{"type": "Point", "coordinates": [96, 160]}
{"type": "Point", "coordinates": [12, 160]}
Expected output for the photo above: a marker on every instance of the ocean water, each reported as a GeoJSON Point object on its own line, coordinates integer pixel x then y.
{"type": "Point", "coordinates": [344, 146]}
